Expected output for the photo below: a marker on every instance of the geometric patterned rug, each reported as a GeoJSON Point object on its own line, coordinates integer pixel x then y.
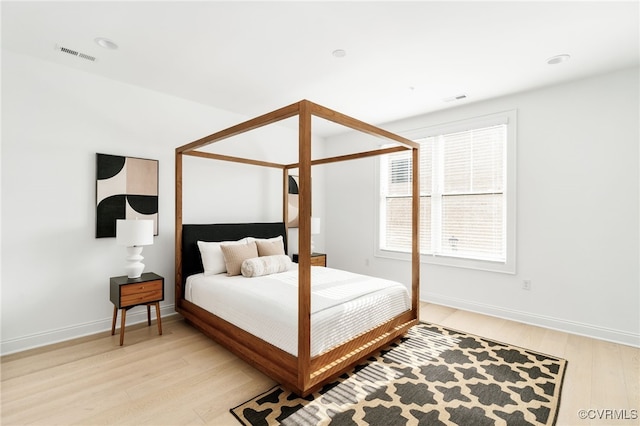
{"type": "Point", "coordinates": [431, 376]}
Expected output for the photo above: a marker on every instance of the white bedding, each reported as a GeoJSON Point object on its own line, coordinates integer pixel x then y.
{"type": "Point", "coordinates": [343, 304]}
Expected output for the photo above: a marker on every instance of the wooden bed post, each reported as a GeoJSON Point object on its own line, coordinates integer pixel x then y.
{"type": "Point", "coordinates": [285, 200]}
{"type": "Point", "coordinates": [178, 219]}
{"type": "Point", "coordinates": [415, 234]}
{"type": "Point", "coordinates": [304, 246]}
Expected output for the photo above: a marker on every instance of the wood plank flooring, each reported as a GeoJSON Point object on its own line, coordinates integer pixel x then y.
{"type": "Point", "coordinates": [184, 378]}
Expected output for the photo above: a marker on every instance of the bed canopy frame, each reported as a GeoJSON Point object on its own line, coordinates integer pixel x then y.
{"type": "Point", "coordinates": [303, 373]}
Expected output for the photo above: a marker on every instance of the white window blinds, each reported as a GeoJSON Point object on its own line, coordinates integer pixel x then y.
{"type": "Point", "coordinates": [462, 195]}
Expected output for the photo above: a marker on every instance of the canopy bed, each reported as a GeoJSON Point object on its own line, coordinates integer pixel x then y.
{"type": "Point", "coordinates": [300, 347]}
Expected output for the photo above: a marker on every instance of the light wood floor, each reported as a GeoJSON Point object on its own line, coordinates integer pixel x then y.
{"type": "Point", "coordinates": [183, 378]}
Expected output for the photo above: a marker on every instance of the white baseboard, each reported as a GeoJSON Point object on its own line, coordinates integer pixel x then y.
{"type": "Point", "coordinates": [573, 327]}
{"type": "Point", "coordinates": [36, 340]}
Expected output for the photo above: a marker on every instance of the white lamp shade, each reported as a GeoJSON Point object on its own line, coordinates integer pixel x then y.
{"type": "Point", "coordinates": [315, 225]}
{"type": "Point", "coordinates": [132, 233]}
{"type": "Point", "coordinates": [315, 229]}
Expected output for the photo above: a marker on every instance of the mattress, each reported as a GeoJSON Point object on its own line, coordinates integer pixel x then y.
{"type": "Point", "coordinates": [343, 304]}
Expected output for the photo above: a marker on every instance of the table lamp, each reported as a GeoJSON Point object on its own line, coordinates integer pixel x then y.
{"type": "Point", "coordinates": [315, 229]}
{"type": "Point", "coordinates": [134, 234]}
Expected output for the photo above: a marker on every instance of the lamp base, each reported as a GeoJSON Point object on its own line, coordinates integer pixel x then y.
{"type": "Point", "coordinates": [134, 266]}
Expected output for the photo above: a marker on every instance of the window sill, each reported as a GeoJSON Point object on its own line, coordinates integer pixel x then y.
{"type": "Point", "coordinates": [456, 262]}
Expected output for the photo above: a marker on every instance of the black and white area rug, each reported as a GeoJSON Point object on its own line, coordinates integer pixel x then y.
{"type": "Point", "coordinates": [431, 376]}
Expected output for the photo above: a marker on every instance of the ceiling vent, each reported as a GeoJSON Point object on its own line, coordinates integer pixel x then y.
{"type": "Point", "coordinates": [75, 53]}
{"type": "Point", "coordinates": [455, 98]}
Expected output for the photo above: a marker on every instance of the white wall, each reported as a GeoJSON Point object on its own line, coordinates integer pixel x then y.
{"type": "Point", "coordinates": [55, 273]}
{"type": "Point", "coordinates": [577, 212]}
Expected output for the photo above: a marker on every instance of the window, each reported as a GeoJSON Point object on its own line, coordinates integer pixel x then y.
{"type": "Point", "coordinates": [400, 169]}
{"type": "Point", "coordinates": [467, 195]}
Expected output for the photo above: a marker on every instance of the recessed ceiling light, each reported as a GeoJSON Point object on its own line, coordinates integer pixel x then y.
{"type": "Point", "coordinates": [106, 43]}
{"type": "Point", "coordinates": [339, 53]}
{"type": "Point", "coordinates": [558, 59]}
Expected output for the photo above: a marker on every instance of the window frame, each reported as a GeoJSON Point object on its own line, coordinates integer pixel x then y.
{"type": "Point", "coordinates": [509, 265]}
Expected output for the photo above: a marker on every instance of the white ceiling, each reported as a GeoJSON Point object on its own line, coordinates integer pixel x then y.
{"type": "Point", "coordinates": [403, 58]}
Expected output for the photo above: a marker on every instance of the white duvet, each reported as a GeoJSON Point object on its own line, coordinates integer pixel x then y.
{"type": "Point", "coordinates": [343, 304]}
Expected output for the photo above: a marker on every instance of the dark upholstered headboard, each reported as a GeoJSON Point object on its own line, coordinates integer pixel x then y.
{"type": "Point", "coordinates": [191, 234]}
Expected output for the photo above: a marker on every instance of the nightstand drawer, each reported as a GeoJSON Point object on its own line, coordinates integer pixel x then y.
{"type": "Point", "coordinates": [319, 260]}
{"type": "Point", "coordinates": [132, 294]}
{"type": "Point", "coordinates": [144, 287]}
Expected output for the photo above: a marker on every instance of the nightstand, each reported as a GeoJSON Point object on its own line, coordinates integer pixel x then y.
{"type": "Point", "coordinates": [127, 293]}
{"type": "Point", "coordinates": [317, 259]}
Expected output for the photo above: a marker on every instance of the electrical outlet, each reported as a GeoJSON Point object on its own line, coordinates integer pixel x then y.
{"type": "Point", "coordinates": [526, 285]}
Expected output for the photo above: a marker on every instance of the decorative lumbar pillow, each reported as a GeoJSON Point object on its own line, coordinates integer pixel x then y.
{"type": "Point", "coordinates": [265, 265]}
{"type": "Point", "coordinates": [270, 247]}
{"type": "Point", "coordinates": [235, 254]}
{"type": "Point", "coordinates": [212, 257]}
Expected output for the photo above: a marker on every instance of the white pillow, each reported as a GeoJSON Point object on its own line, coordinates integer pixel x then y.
{"type": "Point", "coordinates": [265, 265]}
{"type": "Point", "coordinates": [212, 257]}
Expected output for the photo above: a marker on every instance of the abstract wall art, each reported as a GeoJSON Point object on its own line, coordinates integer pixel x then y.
{"type": "Point", "coordinates": [126, 188]}
{"type": "Point", "coordinates": [292, 201]}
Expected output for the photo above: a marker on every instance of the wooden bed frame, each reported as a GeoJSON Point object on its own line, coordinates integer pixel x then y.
{"type": "Point", "coordinates": [302, 374]}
